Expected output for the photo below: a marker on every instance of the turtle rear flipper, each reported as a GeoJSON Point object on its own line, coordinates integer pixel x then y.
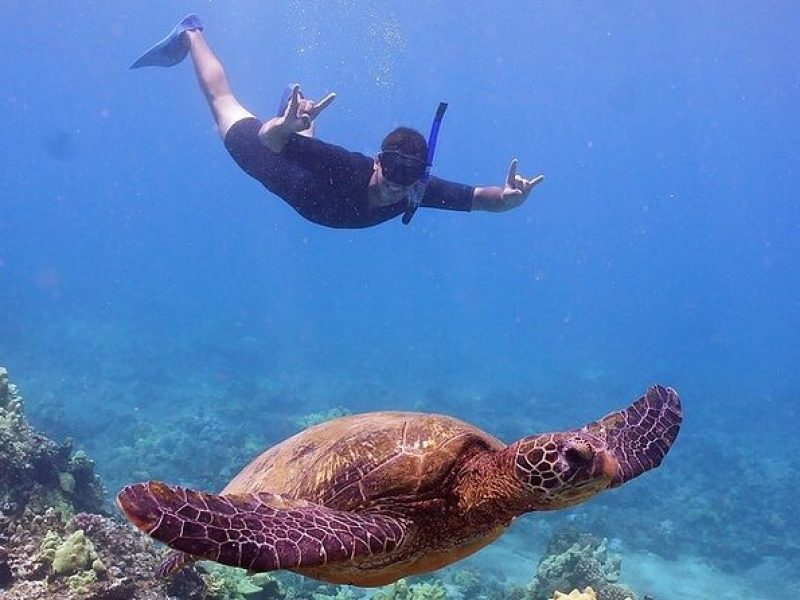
{"type": "Point", "coordinates": [640, 436]}
{"type": "Point", "coordinates": [259, 532]}
{"type": "Point", "coordinates": [174, 562]}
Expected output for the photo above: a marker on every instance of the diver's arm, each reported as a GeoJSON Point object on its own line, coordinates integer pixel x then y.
{"type": "Point", "coordinates": [298, 118]}
{"type": "Point", "coordinates": [489, 198]}
{"type": "Point", "coordinates": [274, 134]}
{"type": "Point", "coordinates": [499, 199]}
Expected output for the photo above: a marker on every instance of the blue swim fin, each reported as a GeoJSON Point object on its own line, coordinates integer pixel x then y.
{"type": "Point", "coordinates": [285, 97]}
{"type": "Point", "coordinates": [173, 48]}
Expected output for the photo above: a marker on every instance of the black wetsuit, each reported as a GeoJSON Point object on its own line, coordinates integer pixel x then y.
{"type": "Point", "coordinates": [327, 184]}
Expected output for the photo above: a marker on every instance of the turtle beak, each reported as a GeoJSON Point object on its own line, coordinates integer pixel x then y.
{"type": "Point", "coordinates": [605, 466]}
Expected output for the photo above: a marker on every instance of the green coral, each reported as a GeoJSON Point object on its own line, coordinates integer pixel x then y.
{"type": "Point", "coordinates": [229, 583]}
{"type": "Point", "coordinates": [75, 554]}
{"type": "Point", "coordinates": [56, 500]}
{"type": "Point", "coordinates": [428, 591]}
{"type": "Point", "coordinates": [397, 591]}
{"type": "Point", "coordinates": [67, 482]}
{"type": "Point", "coordinates": [99, 567]}
{"type": "Point", "coordinates": [343, 593]}
{"type": "Point", "coordinates": [400, 590]}
{"type": "Point", "coordinates": [74, 557]}
{"type": "Point", "coordinates": [48, 547]}
{"type": "Point", "coordinates": [81, 583]}
{"type": "Point", "coordinates": [468, 581]}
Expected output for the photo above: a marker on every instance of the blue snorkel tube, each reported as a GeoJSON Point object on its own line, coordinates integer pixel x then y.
{"type": "Point", "coordinates": [415, 197]}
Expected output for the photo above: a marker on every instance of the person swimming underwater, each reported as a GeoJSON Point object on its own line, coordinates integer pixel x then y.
{"type": "Point", "coordinates": [325, 183]}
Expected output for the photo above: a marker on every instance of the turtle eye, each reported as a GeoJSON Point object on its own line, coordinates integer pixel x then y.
{"type": "Point", "coordinates": [578, 452]}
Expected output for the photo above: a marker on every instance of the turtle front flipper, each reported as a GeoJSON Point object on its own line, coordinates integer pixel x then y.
{"type": "Point", "coordinates": [640, 436]}
{"type": "Point", "coordinates": [259, 532]}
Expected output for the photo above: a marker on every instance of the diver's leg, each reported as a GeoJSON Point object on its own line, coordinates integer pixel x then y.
{"type": "Point", "coordinates": [214, 83]}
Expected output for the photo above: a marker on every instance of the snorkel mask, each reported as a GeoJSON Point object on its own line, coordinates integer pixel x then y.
{"type": "Point", "coordinates": [400, 168]}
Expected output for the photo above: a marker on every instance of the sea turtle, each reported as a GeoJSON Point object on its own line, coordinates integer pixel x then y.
{"type": "Point", "coordinates": [367, 499]}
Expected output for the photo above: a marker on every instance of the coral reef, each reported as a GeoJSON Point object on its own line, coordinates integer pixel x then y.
{"type": "Point", "coordinates": [468, 581]}
{"type": "Point", "coordinates": [228, 583]}
{"type": "Point", "coordinates": [342, 593]}
{"type": "Point", "coordinates": [48, 548]}
{"type": "Point", "coordinates": [486, 583]}
{"type": "Point", "coordinates": [36, 472]}
{"type": "Point", "coordinates": [575, 560]}
{"type": "Point", "coordinates": [298, 587]}
{"type": "Point", "coordinates": [195, 450]}
{"type": "Point", "coordinates": [400, 590]}
{"type": "Point", "coordinates": [91, 557]}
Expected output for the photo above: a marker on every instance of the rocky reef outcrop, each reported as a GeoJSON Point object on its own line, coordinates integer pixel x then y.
{"type": "Point", "coordinates": [57, 538]}
{"type": "Point", "coordinates": [577, 561]}
{"type": "Point", "coordinates": [37, 473]}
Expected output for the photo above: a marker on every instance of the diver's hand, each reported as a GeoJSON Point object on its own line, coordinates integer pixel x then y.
{"type": "Point", "coordinates": [301, 112]}
{"type": "Point", "coordinates": [517, 189]}
{"type": "Point", "coordinates": [298, 118]}
{"type": "Point", "coordinates": [514, 192]}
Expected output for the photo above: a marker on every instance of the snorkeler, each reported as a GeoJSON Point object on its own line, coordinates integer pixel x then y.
{"type": "Point", "coordinates": [325, 183]}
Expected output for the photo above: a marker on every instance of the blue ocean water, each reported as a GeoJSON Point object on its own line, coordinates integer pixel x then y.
{"type": "Point", "coordinates": [162, 309]}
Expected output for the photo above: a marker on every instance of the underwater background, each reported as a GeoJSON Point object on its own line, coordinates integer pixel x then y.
{"type": "Point", "coordinates": [163, 311]}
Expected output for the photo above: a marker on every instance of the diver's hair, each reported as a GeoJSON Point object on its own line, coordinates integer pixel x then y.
{"type": "Point", "coordinates": [407, 141]}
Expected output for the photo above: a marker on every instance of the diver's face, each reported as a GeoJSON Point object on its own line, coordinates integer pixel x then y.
{"type": "Point", "coordinates": [389, 191]}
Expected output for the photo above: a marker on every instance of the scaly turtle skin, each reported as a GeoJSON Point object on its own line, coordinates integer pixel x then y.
{"type": "Point", "coordinates": [370, 498]}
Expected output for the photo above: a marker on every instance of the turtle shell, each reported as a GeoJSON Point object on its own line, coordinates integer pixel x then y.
{"type": "Point", "coordinates": [366, 460]}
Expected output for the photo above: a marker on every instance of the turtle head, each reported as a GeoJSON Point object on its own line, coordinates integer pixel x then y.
{"type": "Point", "coordinates": [558, 470]}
